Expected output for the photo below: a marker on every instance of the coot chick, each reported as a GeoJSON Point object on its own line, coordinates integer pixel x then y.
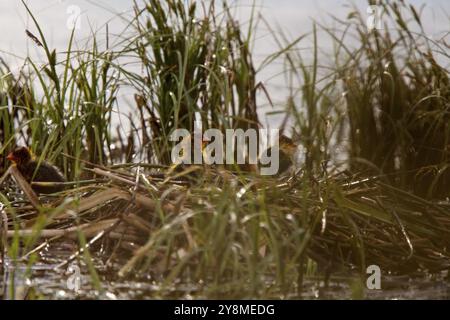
{"type": "Point", "coordinates": [33, 171]}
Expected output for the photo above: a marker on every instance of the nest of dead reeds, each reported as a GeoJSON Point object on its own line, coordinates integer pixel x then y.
{"type": "Point", "coordinates": [214, 225]}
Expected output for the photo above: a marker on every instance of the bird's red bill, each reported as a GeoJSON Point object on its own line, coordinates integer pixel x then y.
{"type": "Point", "coordinates": [11, 157]}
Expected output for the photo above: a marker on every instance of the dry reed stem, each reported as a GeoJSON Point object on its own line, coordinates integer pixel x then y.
{"type": "Point", "coordinates": [89, 230]}
{"type": "Point", "coordinates": [25, 186]}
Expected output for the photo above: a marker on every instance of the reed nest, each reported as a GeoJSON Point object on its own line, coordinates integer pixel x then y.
{"type": "Point", "coordinates": [173, 222]}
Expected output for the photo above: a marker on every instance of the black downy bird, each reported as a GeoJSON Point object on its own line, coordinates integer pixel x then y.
{"type": "Point", "coordinates": [33, 171]}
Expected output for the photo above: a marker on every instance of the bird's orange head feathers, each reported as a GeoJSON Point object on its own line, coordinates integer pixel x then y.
{"type": "Point", "coordinates": [20, 156]}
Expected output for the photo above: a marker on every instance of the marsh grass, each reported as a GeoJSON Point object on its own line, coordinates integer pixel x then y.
{"type": "Point", "coordinates": [236, 234]}
{"type": "Point", "coordinates": [191, 64]}
{"type": "Point", "coordinates": [402, 96]}
{"type": "Point", "coordinates": [383, 98]}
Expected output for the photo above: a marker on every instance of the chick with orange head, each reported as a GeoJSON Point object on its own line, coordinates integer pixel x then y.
{"type": "Point", "coordinates": [33, 171]}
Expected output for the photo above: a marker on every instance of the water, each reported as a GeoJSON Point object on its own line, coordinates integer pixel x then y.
{"type": "Point", "coordinates": [46, 282]}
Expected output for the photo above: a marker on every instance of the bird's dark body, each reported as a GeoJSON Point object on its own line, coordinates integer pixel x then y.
{"type": "Point", "coordinates": [33, 171]}
{"type": "Point", "coordinates": [45, 173]}
{"type": "Point", "coordinates": [284, 161]}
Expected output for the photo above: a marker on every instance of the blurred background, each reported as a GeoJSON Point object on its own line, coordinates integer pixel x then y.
{"type": "Point", "coordinates": [291, 17]}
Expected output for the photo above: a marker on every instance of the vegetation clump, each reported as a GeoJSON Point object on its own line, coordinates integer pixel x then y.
{"type": "Point", "coordinates": [228, 232]}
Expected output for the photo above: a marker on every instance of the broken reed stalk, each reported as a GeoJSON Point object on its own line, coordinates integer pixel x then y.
{"type": "Point", "coordinates": [110, 194]}
{"type": "Point", "coordinates": [25, 186]}
{"type": "Point", "coordinates": [64, 184]}
{"type": "Point", "coordinates": [89, 229]}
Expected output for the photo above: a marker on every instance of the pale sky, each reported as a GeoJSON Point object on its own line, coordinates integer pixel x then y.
{"type": "Point", "coordinates": [293, 16]}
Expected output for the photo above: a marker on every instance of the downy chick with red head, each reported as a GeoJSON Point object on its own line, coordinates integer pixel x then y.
{"type": "Point", "coordinates": [33, 171]}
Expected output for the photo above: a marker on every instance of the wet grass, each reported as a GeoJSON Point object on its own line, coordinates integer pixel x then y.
{"type": "Point", "coordinates": [383, 101]}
